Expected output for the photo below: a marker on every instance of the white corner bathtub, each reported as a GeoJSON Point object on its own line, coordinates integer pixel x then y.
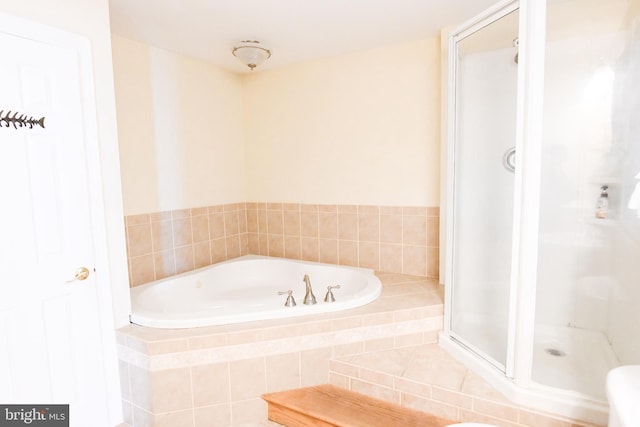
{"type": "Point", "coordinates": [246, 289]}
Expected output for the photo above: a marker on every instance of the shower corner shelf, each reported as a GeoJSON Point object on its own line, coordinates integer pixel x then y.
{"type": "Point", "coordinates": [604, 222]}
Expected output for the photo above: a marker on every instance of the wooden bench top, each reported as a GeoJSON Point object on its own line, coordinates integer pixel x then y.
{"type": "Point", "coordinates": [331, 406]}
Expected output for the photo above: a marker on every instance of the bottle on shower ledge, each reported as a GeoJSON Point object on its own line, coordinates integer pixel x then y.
{"type": "Point", "coordinates": [602, 205]}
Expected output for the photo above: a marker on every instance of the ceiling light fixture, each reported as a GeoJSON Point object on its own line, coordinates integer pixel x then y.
{"type": "Point", "coordinates": [251, 53]}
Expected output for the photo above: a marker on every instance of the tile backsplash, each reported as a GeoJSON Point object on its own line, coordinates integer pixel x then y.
{"type": "Point", "coordinates": [384, 238]}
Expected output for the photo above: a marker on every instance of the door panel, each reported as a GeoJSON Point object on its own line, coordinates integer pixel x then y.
{"type": "Point", "coordinates": [50, 340]}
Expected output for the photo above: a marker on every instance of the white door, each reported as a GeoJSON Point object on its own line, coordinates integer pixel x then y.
{"type": "Point", "coordinates": [51, 346]}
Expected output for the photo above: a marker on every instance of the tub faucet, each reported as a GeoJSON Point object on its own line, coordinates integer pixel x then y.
{"type": "Point", "coordinates": [309, 297]}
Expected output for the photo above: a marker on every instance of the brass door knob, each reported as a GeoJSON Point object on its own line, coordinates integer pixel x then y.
{"type": "Point", "coordinates": [80, 274]}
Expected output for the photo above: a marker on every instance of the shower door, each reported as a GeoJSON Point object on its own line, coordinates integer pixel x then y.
{"type": "Point", "coordinates": [481, 162]}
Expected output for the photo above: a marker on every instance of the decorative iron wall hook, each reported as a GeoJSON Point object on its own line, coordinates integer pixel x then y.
{"type": "Point", "coordinates": [16, 120]}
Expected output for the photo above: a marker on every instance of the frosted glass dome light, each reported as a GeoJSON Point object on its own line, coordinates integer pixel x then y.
{"type": "Point", "coordinates": [251, 53]}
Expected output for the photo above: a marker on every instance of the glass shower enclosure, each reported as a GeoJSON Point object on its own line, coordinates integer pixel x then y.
{"type": "Point", "coordinates": [543, 198]}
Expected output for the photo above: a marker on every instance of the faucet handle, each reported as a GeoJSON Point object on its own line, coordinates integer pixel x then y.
{"type": "Point", "coordinates": [329, 296]}
{"type": "Point", "coordinates": [290, 302]}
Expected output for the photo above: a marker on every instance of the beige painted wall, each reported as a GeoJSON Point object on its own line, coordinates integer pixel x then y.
{"type": "Point", "coordinates": [361, 128]}
{"type": "Point", "coordinates": [180, 129]}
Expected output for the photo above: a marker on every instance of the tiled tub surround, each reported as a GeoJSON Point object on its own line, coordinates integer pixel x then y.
{"type": "Point", "coordinates": [214, 376]}
{"type": "Point", "coordinates": [383, 238]}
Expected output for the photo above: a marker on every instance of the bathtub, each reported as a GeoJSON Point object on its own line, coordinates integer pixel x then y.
{"type": "Point", "coordinates": [246, 289]}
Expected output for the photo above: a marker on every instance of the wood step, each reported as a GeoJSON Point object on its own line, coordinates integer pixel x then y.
{"type": "Point", "coordinates": [331, 406]}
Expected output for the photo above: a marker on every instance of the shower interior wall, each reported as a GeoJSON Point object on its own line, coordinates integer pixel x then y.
{"type": "Point", "coordinates": [586, 278]}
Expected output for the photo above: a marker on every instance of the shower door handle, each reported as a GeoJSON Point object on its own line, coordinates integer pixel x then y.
{"type": "Point", "coordinates": [509, 159]}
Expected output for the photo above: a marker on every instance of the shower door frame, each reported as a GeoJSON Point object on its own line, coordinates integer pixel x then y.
{"type": "Point", "coordinates": [523, 274]}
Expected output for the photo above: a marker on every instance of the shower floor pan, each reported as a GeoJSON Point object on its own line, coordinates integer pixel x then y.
{"type": "Point", "coordinates": [572, 359]}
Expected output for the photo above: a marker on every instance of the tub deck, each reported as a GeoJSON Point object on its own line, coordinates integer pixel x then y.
{"type": "Point", "coordinates": [219, 373]}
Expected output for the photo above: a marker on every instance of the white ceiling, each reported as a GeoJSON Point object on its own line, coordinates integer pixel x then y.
{"type": "Point", "coordinates": [294, 30]}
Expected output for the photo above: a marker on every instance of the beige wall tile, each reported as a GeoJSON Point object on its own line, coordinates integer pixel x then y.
{"type": "Point", "coordinates": [328, 225]}
{"type": "Point", "coordinates": [344, 368]}
{"type": "Point", "coordinates": [162, 235]}
{"type": "Point", "coordinates": [374, 390]}
{"type": "Point", "coordinates": [310, 250]}
{"type": "Point", "coordinates": [247, 379]}
{"type": "Point", "coordinates": [414, 210]}
{"type": "Point", "coordinates": [174, 419]}
{"type": "Point", "coordinates": [505, 412]}
{"type": "Point", "coordinates": [202, 254]}
{"type": "Point", "coordinates": [414, 230]}
{"type": "Point", "coordinates": [291, 223]}
{"type": "Point", "coordinates": [170, 390]}
{"type": "Point", "coordinates": [275, 221]}
{"type": "Point", "coordinates": [390, 228]}
{"type": "Point", "coordinates": [216, 225]}
{"type": "Point", "coordinates": [344, 350]}
{"type": "Point", "coordinates": [218, 250]}
{"type": "Point", "coordinates": [414, 260]}
{"type": "Point", "coordinates": [391, 210]}
{"type": "Point", "coordinates": [182, 232]}
{"type": "Point", "coordinates": [416, 388]}
{"type": "Point", "coordinates": [125, 386]}
{"type": "Point", "coordinates": [368, 228]}
{"type": "Point", "coordinates": [211, 384]}
{"type": "Point", "coordinates": [262, 221]}
{"type": "Point", "coordinates": [433, 232]}
{"type": "Point", "coordinates": [328, 251]}
{"type": "Point", "coordinates": [438, 409]}
{"type": "Point", "coordinates": [328, 208]}
{"type": "Point", "coordinates": [347, 226]}
{"type": "Point", "coordinates": [242, 221]}
{"type": "Point", "coordinates": [433, 262]}
{"type": "Point", "coordinates": [292, 248]}
{"type": "Point", "coordinates": [338, 380]}
{"type": "Point", "coordinates": [139, 240]}
{"type": "Point", "coordinates": [184, 259]}
{"type": "Point", "coordinates": [314, 366]}
{"type": "Point", "coordinates": [348, 253]}
{"type": "Point", "coordinates": [160, 216]}
{"type": "Point", "coordinates": [231, 223]}
{"type": "Point", "coordinates": [247, 412]}
{"type": "Point", "coordinates": [452, 397]}
{"type": "Point", "coordinates": [233, 246]}
{"type": "Point", "coordinates": [264, 244]}
{"type": "Point", "coordinates": [276, 245]}
{"type": "Point", "coordinates": [200, 228]}
{"type": "Point", "coordinates": [137, 219]}
{"type": "Point", "coordinates": [283, 372]}
{"type": "Point", "coordinates": [366, 236]}
{"type": "Point", "coordinates": [309, 224]}
{"type": "Point", "coordinates": [376, 377]}
{"type": "Point", "coordinates": [165, 263]}
{"type": "Point", "coordinates": [252, 221]}
{"type": "Point", "coordinates": [408, 340]}
{"type": "Point", "coordinates": [390, 257]}
{"type": "Point", "coordinates": [217, 415]}
{"type": "Point", "coordinates": [369, 255]}
{"type": "Point", "coordinates": [199, 211]}
{"type": "Point", "coordinates": [180, 213]}
{"type": "Point", "coordinates": [253, 243]}
{"type": "Point", "coordinates": [142, 270]}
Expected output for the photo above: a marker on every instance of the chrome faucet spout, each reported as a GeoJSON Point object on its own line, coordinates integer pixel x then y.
{"type": "Point", "coordinates": [309, 297]}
